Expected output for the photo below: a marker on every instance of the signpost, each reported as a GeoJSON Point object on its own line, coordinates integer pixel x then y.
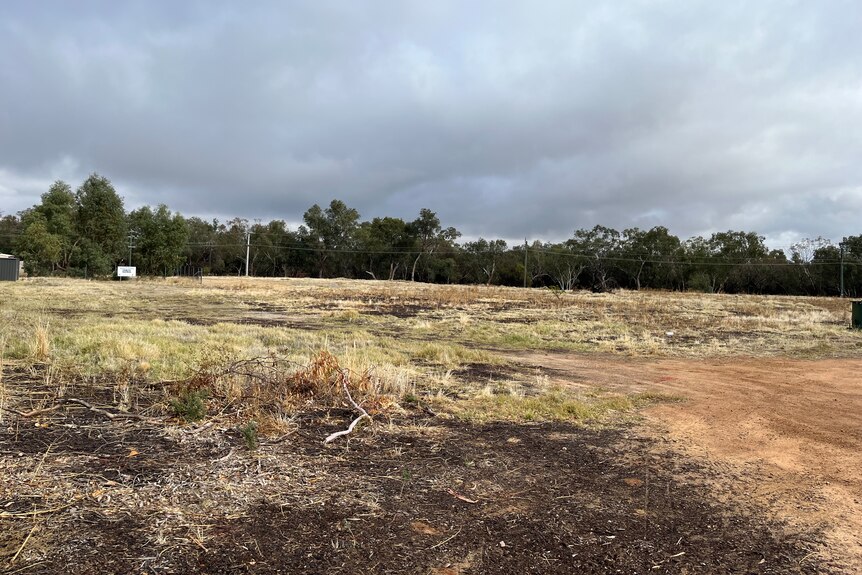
{"type": "Point", "coordinates": [127, 271]}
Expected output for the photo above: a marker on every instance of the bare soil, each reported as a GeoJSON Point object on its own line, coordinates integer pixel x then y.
{"type": "Point", "coordinates": [786, 433]}
{"type": "Point", "coordinates": [84, 494]}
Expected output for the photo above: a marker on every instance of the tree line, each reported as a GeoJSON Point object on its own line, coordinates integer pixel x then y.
{"type": "Point", "coordinates": [87, 233]}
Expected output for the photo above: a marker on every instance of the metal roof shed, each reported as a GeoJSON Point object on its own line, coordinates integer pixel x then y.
{"type": "Point", "coordinates": [9, 266]}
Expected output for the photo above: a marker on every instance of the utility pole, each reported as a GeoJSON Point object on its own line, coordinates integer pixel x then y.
{"type": "Point", "coordinates": [132, 237]}
{"type": "Point", "coordinates": [247, 249]}
{"type": "Point", "coordinates": [841, 245]}
{"type": "Point", "coordinates": [525, 262]}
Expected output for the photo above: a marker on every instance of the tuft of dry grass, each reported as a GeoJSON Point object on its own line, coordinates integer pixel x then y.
{"type": "Point", "coordinates": [41, 343]}
{"type": "Point", "coordinates": [271, 391]}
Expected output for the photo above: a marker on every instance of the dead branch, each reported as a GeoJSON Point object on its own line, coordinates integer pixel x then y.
{"type": "Point", "coordinates": [33, 412]}
{"type": "Point", "coordinates": [94, 409]}
{"type": "Point", "coordinates": [201, 428]}
{"type": "Point", "coordinates": [21, 515]}
{"type": "Point", "coordinates": [356, 406]}
{"type": "Point", "coordinates": [81, 402]}
{"type": "Point", "coordinates": [280, 438]}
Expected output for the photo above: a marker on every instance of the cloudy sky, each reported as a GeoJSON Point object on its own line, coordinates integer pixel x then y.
{"type": "Point", "coordinates": [509, 119]}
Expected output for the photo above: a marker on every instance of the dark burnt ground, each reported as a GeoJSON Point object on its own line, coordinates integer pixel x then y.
{"type": "Point", "coordinates": [421, 495]}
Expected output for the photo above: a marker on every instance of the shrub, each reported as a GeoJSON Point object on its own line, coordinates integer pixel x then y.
{"type": "Point", "coordinates": [190, 404]}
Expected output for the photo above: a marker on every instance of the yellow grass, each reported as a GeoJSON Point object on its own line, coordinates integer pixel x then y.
{"type": "Point", "coordinates": [415, 338]}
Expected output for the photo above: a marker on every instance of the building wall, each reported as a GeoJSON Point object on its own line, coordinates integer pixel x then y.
{"type": "Point", "coordinates": [9, 269]}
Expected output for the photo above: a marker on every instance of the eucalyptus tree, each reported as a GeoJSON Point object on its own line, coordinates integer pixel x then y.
{"type": "Point", "coordinates": [599, 248]}
{"type": "Point", "coordinates": [330, 234]}
{"type": "Point", "coordinates": [160, 239]}
{"type": "Point", "coordinates": [384, 246]}
{"type": "Point", "coordinates": [100, 224]}
{"type": "Point", "coordinates": [483, 258]}
{"type": "Point", "coordinates": [430, 238]}
{"type": "Point", "coordinates": [650, 257]}
{"type": "Point", "coordinates": [49, 239]}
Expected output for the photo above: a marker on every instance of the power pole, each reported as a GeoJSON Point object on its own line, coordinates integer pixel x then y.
{"type": "Point", "coordinates": [525, 262]}
{"type": "Point", "coordinates": [132, 237]}
{"type": "Point", "coordinates": [247, 249]}
{"type": "Point", "coordinates": [841, 245]}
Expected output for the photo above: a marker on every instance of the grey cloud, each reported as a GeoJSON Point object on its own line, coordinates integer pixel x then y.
{"type": "Point", "coordinates": [507, 118]}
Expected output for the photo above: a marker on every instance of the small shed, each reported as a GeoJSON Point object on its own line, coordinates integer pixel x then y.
{"type": "Point", "coordinates": [10, 268]}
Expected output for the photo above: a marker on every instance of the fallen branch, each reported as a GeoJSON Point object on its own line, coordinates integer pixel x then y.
{"type": "Point", "coordinates": [81, 402]}
{"type": "Point", "coordinates": [280, 438]}
{"type": "Point", "coordinates": [457, 495]}
{"type": "Point", "coordinates": [201, 428]}
{"type": "Point", "coordinates": [23, 514]}
{"type": "Point", "coordinates": [100, 411]}
{"type": "Point", "coordinates": [33, 412]}
{"type": "Point", "coordinates": [356, 406]}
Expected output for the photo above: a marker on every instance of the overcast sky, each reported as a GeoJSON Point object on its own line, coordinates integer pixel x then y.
{"type": "Point", "coordinates": [509, 119]}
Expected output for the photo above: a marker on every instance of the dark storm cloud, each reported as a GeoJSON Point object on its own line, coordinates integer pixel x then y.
{"type": "Point", "coordinates": [508, 119]}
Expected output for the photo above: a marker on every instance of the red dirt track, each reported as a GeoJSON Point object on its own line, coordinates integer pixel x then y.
{"type": "Point", "coordinates": [786, 433]}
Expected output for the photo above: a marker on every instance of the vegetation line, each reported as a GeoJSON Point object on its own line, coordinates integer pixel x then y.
{"type": "Point", "coordinates": [88, 233]}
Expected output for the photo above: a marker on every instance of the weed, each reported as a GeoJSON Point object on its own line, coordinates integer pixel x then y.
{"type": "Point", "coordinates": [406, 477]}
{"type": "Point", "coordinates": [249, 435]}
{"type": "Point", "coordinates": [190, 404]}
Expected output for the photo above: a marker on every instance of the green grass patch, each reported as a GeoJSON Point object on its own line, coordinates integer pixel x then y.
{"type": "Point", "coordinates": [552, 405]}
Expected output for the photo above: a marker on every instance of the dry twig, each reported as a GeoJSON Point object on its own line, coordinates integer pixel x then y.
{"type": "Point", "coordinates": [356, 406]}
{"type": "Point", "coordinates": [20, 549]}
{"type": "Point", "coordinates": [447, 540]}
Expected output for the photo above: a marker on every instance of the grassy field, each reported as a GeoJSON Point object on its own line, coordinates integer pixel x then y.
{"type": "Point", "coordinates": [418, 341]}
{"type": "Point", "coordinates": [166, 416]}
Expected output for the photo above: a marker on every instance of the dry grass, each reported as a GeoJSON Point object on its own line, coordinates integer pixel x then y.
{"type": "Point", "coordinates": [555, 404]}
{"type": "Point", "coordinates": [2, 382]}
{"type": "Point", "coordinates": [413, 338]}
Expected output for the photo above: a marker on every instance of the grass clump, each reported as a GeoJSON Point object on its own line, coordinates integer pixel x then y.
{"type": "Point", "coordinates": [552, 405]}
{"type": "Point", "coordinates": [191, 404]}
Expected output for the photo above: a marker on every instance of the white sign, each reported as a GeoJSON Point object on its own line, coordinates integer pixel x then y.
{"type": "Point", "coordinates": [126, 271]}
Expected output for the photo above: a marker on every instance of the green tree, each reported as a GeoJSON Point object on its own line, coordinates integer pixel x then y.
{"type": "Point", "coordinates": [39, 248]}
{"type": "Point", "coordinates": [852, 265]}
{"type": "Point", "coordinates": [331, 234]}
{"type": "Point", "coordinates": [161, 239]}
{"type": "Point", "coordinates": [483, 258]}
{"type": "Point", "coordinates": [726, 262]}
{"type": "Point", "coordinates": [648, 256]}
{"type": "Point", "coordinates": [384, 245]}
{"type": "Point", "coordinates": [599, 247]}
{"type": "Point", "coordinates": [53, 235]}
{"type": "Point", "coordinates": [232, 239]}
{"type": "Point", "coordinates": [271, 248]}
{"type": "Point", "coordinates": [202, 248]}
{"type": "Point", "coordinates": [429, 238]}
{"type": "Point", "coordinates": [100, 225]}
{"type": "Point", "coordinates": [10, 229]}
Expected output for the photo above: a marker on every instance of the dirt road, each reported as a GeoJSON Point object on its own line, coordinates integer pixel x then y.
{"type": "Point", "coordinates": [786, 433]}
